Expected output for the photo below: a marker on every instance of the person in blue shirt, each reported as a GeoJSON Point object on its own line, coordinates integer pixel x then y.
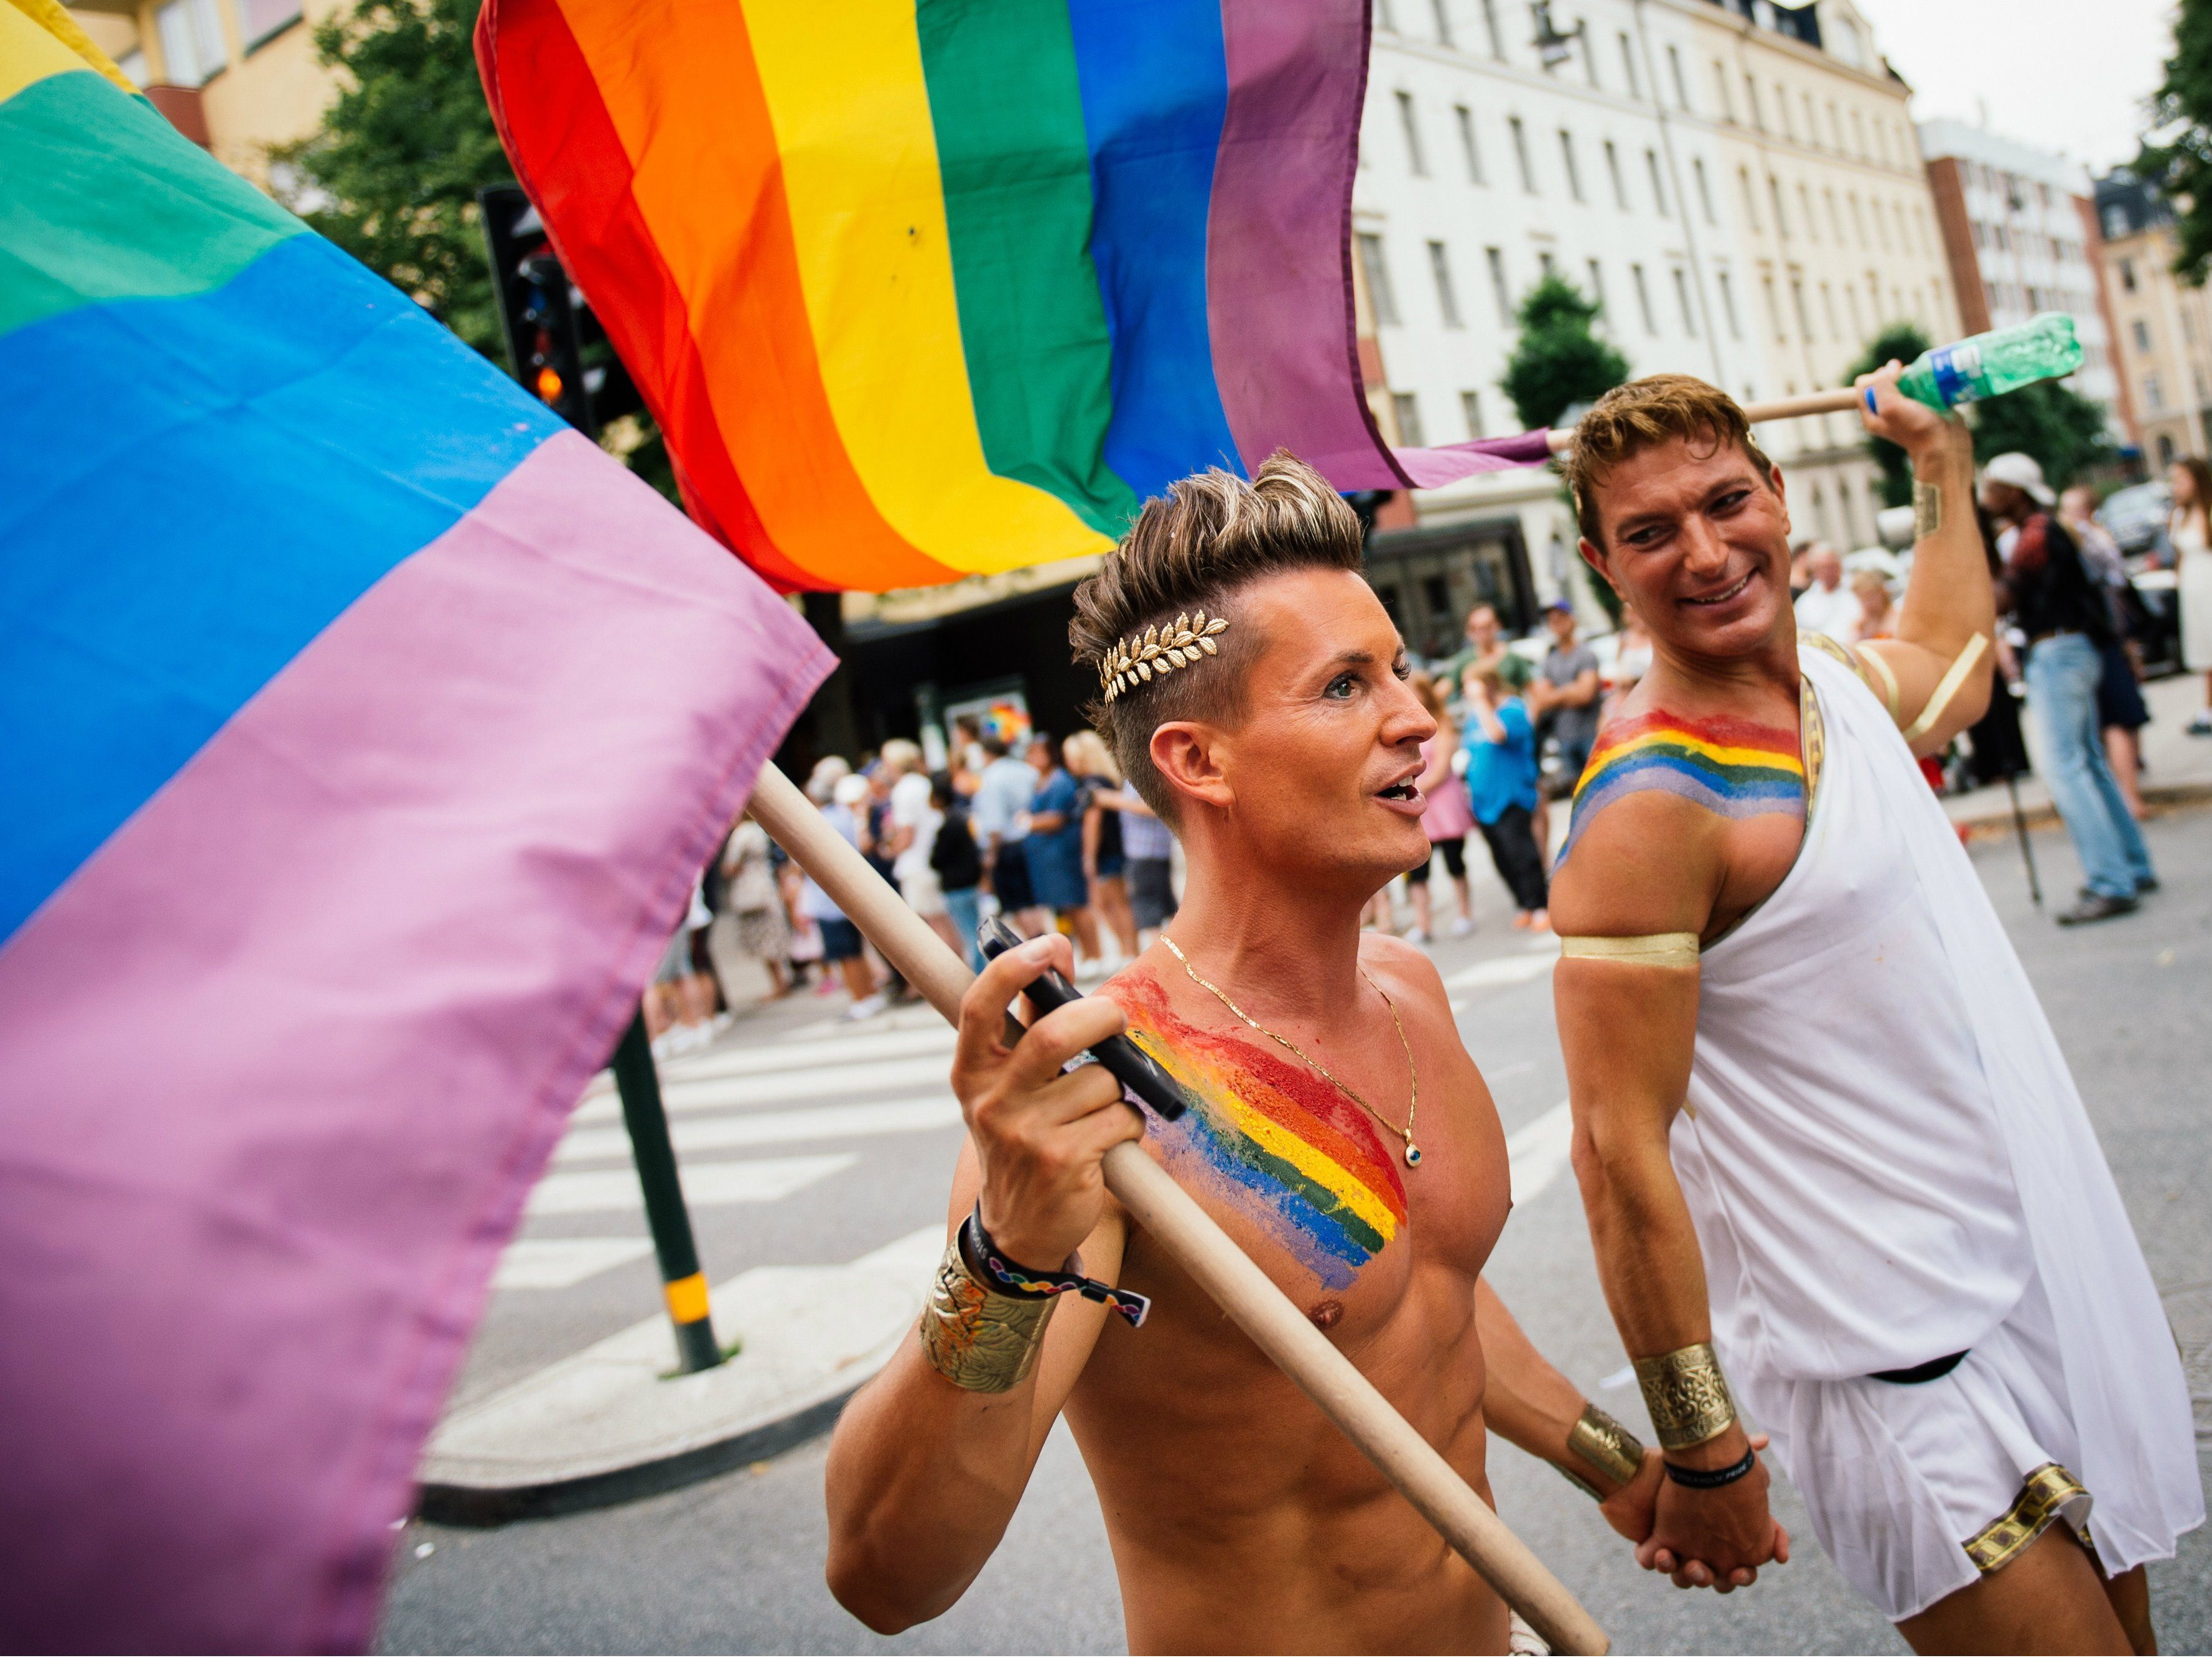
{"type": "Point", "coordinates": [1501, 786]}
{"type": "Point", "coordinates": [1054, 848]}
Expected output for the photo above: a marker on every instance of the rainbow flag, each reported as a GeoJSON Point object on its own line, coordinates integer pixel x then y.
{"type": "Point", "coordinates": [366, 728]}
{"type": "Point", "coordinates": [919, 288]}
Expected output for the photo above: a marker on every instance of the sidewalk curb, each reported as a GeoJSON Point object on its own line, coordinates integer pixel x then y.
{"type": "Point", "coordinates": [486, 1506]}
{"type": "Point", "coordinates": [2158, 799]}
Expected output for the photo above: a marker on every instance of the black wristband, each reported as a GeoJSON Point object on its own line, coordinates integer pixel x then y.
{"type": "Point", "coordinates": [1028, 1284]}
{"type": "Point", "coordinates": [1711, 1479]}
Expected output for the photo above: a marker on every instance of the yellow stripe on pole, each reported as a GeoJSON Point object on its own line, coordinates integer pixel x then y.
{"type": "Point", "coordinates": [875, 256]}
{"type": "Point", "coordinates": [687, 1298]}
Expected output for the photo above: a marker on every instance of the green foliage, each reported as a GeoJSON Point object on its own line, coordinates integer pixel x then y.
{"type": "Point", "coordinates": [1557, 360]}
{"type": "Point", "coordinates": [1901, 341]}
{"type": "Point", "coordinates": [2063, 430]}
{"type": "Point", "coordinates": [2181, 167]}
{"type": "Point", "coordinates": [393, 174]}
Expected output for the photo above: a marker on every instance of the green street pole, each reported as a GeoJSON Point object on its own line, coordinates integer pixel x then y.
{"type": "Point", "coordinates": [682, 1282]}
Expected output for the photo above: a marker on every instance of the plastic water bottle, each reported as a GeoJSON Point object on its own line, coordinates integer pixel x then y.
{"type": "Point", "coordinates": [2043, 348]}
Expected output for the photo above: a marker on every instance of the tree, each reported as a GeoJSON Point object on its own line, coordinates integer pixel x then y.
{"type": "Point", "coordinates": [393, 173]}
{"type": "Point", "coordinates": [2062, 430]}
{"type": "Point", "coordinates": [1558, 361]}
{"type": "Point", "coordinates": [1902, 342]}
{"type": "Point", "coordinates": [2181, 113]}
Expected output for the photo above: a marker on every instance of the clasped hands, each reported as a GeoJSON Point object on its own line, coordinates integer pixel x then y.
{"type": "Point", "coordinates": [1716, 1540]}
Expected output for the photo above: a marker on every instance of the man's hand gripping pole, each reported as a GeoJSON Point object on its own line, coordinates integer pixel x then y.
{"type": "Point", "coordinates": [1186, 1231]}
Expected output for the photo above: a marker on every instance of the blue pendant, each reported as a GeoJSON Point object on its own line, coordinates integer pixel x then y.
{"type": "Point", "coordinates": [1412, 1155]}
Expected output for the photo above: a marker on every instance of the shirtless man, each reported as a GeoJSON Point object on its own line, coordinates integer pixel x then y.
{"type": "Point", "coordinates": [1820, 1123]}
{"type": "Point", "coordinates": [1336, 1128]}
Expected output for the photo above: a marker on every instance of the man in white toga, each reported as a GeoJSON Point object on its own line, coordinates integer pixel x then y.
{"type": "Point", "coordinates": [1884, 1225]}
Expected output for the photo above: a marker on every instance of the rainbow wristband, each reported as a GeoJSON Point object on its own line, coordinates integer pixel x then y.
{"type": "Point", "coordinates": [1028, 1284]}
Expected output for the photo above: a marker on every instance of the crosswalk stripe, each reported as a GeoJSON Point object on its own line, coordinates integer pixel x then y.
{"type": "Point", "coordinates": [682, 1095]}
{"type": "Point", "coordinates": [762, 1180]}
{"type": "Point", "coordinates": [1538, 1151]}
{"type": "Point", "coordinates": [562, 1263]}
{"type": "Point", "coordinates": [1502, 970]}
{"type": "Point", "coordinates": [821, 1123]}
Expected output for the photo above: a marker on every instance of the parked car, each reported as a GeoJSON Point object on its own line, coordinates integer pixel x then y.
{"type": "Point", "coordinates": [2135, 519]}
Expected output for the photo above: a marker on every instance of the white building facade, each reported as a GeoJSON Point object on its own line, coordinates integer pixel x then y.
{"type": "Point", "coordinates": [1590, 138]}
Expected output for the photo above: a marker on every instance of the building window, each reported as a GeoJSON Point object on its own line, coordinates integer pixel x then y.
{"type": "Point", "coordinates": [1828, 310]}
{"type": "Point", "coordinates": [2154, 394]}
{"type": "Point", "coordinates": [1379, 294]}
{"type": "Point", "coordinates": [1643, 300]}
{"type": "Point", "coordinates": [1797, 304]}
{"type": "Point", "coordinates": [1410, 124]}
{"type": "Point", "coordinates": [1438, 10]}
{"type": "Point", "coordinates": [1782, 111]}
{"type": "Point", "coordinates": [1835, 219]}
{"type": "Point", "coordinates": [1704, 188]}
{"type": "Point", "coordinates": [191, 41]}
{"type": "Point", "coordinates": [1721, 86]}
{"type": "Point", "coordinates": [1880, 224]}
{"type": "Point", "coordinates": [1858, 225]}
{"type": "Point", "coordinates": [1812, 126]}
{"type": "Point", "coordinates": [1446, 300]}
{"type": "Point", "coordinates": [1547, 266]}
{"type": "Point", "coordinates": [1773, 308]}
{"type": "Point", "coordinates": [1681, 85]}
{"type": "Point", "coordinates": [1406, 407]}
{"type": "Point", "coordinates": [1658, 187]}
{"type": "Point", "coordinates": [1500, 290]}
{"type": "Point", "coordinates": [1774, 195]}
{"type": "Point", "coordinates": [1805, 212]}
{"type": "Point", "coordinates": [1589, 54]}
{"type": "Point", "coordinates": [1385, 18]}
{"type": "Point", "coordinates": [1520, 153]}
{"type": "Point", "coordinates": [2165, 449]}
{"type": "Point", "coordinates": [260, 19]}
{"type": "Point", "coordinates": [1751, 102]}
{"type": "Point", "coordinates": [1682, 300]}
{"type": "Point", "coordinates": [1468, 151]}
{"type": "Point", "coordinates": [2141, 332]}
{"type": "Point", "coordinates": [1858, 137]}
{"type": "Point", "coordinates": [1727, 305]}
{"type": "Point", "coordinates": [1567, 155]}
{"type": "Point", "coordinates": [1613, 170]}
{"type": "Point", "coordinates": [1490, 24]}
{"type": "Point", "coordinates": [1628, 68]}
{"type": "Point", "coordinates": [1836, 127]}
{"type": "Point", "coordinates": [1750, 200]}
{"type": "Point", "coordinates": [1470, 408]}
{"type": "Point", "coordinates": [1851, 299]}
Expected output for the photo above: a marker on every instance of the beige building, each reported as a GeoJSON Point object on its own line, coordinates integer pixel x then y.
{"type": "Point", "coordinates": [1831, 234]}
{"type": "Point", "coordinates": [233, 76]}
{"type": "Point", "coordinates": [2162, 344]}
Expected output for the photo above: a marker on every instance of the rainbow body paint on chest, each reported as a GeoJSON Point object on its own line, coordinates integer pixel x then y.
{"type": "Point", "coordinates": [1735, 768]}
{"type": "Point", "coordinates": [1269, 1140]}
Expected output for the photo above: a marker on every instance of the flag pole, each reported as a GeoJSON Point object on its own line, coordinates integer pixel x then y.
{"type": "Point", "coordinates": [1562, 438]}
{"type": "Point", "coordinates": [1176, 1222]}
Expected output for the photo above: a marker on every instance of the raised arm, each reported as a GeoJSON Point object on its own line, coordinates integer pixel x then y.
{"type": "Point", "coordinates": [1630, 906]}
{"type": "Point", "coordinates": [1935, 673]}
{"type": "Point", "coordinates": [930, 1458]}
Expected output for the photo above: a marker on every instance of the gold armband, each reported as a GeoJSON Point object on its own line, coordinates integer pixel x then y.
{"type": "Point", "coordinates": [974, 1337]}
{"type": "Point", "coordinates": [1606, 1445]}
{"type": "Point", "coordinates": [1652, 950]}
{"type": "Point", "coordinates": [1946, 687]}
{"type": "Point", "coordinates": [1687, 1396]}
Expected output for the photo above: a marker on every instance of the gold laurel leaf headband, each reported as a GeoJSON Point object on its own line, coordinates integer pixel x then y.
{"type": "Point", "coordinates": [1158, 651]}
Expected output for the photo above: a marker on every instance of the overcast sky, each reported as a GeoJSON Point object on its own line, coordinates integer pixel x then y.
{"type": "Point", "coordinates": [2058, 74]}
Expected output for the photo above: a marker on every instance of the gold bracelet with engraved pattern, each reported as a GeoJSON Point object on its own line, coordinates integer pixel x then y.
{"type": "Point", "coordinates": [974, 1337]}
{"type": "Point", "coordinates": [1687, 1396]}
{"type": "Point", "coordinates": [1606, 1445]}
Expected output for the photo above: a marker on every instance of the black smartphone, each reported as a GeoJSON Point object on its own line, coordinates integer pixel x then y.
{"type": "Point", "coordinates": [1136, 1070]}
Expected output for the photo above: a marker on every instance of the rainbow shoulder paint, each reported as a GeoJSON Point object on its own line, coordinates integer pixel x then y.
{"type": "Point", "coordinates": [1735, 768]}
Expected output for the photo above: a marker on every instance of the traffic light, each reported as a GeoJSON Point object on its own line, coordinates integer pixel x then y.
{"type": "Point", "coordinates": [554, 345]}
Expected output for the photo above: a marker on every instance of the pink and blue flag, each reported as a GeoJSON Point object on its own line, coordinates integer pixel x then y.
{"type": "Point", "coordinates": [365, 727]}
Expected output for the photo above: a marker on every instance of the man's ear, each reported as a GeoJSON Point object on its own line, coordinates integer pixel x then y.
{"type": "Point", "coordinates": [1781, 494]}
{"type": "Point", "coordinates": [1183, 752]}
{"type": "Point", "coordinates": [1593, 556]}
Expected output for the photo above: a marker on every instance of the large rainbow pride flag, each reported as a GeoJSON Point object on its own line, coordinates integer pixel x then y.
{"type": "Point", "coordinates": [365, 730]}
{"type": "Point", "coordinates": [923, 288]}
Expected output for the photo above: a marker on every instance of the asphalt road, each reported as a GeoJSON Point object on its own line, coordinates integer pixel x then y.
{"type": "Point", "coordinates": [735, 1564]}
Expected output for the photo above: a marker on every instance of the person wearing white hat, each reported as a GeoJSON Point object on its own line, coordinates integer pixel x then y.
{"type": "Point", "coordinates": [2054, 602]}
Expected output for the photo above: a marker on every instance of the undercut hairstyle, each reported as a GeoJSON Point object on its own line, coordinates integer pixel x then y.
{"type": "Point", "coordinates": [1211, 536]}
{"type": "Point", "coordinates": [1657, 409]}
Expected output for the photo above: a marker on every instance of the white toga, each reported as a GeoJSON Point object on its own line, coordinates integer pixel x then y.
{"type": "Point", "coordinates": [1887, 1163]}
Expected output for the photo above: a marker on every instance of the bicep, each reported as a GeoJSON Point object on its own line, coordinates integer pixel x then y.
{"type": "Point", "coordinates": [1932, 696]}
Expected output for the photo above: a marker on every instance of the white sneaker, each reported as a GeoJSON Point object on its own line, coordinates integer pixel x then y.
{"type": "Point", "coordinates": [1461, 926]}
{"type": "Point", "coordinates": [868, 1006]}
{"type": "Point", "coordinates": [1417, 935]}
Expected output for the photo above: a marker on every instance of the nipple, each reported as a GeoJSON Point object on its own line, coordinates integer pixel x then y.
{"type": "Point", "coordinates": [1325, 1314]}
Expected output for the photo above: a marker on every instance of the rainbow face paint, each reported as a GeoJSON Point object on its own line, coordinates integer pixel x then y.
{"type": "Point", "coordinates": [1272, 1140]}
{"type": "Point", "coordinates": [1735, 768]}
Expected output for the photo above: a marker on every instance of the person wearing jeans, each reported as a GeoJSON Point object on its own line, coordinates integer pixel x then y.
{"type": "Point", "coordinates": [2058, 605]}
{"type": "Point", "coordinates": [1501, 785]}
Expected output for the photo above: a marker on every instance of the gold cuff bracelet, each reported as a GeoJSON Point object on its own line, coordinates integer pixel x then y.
{"type": "Point", "coordinates": [976, 1337]}
{"type": "Point", "coordinates": [1687, 1396]}
{"type": "Point", "coordinates": [1606, 1445]}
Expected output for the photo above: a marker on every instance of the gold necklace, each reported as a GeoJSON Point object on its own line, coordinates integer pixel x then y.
{"type": "Point", "coordinates": [1413, 1152]}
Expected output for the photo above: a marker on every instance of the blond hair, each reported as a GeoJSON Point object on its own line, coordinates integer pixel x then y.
{"type": "Point", "coordinates": [1212, 534]}
{"type": "Point", "coordinates": [1632, 418]}
{"type": "Point", "coordinates": [1087, 755]}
